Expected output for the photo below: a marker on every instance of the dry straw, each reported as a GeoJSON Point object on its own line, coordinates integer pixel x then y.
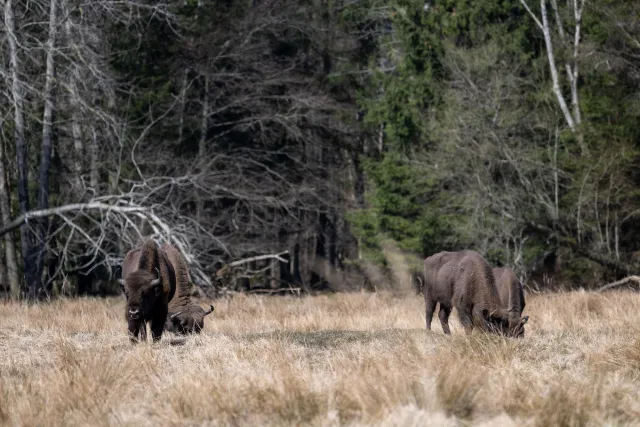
{"type": "Point", "coordinates": [344, 359]}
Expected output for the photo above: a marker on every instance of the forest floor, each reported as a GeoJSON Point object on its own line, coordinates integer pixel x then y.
{"type": "Point", "coordinates": [342, 359]}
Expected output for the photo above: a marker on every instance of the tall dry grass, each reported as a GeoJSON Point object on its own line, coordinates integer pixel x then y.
{"type": "Point", "coordinates": [344, 359]}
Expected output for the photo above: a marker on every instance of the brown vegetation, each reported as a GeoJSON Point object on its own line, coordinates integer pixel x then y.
{"type": "Point", "coordinates": [356, 359]}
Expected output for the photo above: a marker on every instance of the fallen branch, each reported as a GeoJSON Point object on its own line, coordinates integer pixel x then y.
{"type": "Point", "coordinates": [158, 225]}
{"type": "Point", "coordinates": [258, 258]}
{"type": "Point", "coordinates": [634, 279]}
{"type": "Point", "coordinates": [274, 291]}
{"type": "Point", "coordinates": [75, 207]}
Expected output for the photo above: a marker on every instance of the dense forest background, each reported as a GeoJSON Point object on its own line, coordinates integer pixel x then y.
{"type": "Point", "coordinates": [312, 145]}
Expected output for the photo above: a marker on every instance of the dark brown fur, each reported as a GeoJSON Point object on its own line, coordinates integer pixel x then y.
{"type": "Point", "coordinates": [463, 280]}
{"type": "Point", "coordinates": [184, 316]}
{"type": "Point", "coordinates": [149, 283]}
{"type": "Point", "coordinates": [512, 299]}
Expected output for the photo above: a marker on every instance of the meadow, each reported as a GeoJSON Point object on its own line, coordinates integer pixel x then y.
{"type": "Point", "coordinates": [341, 359]}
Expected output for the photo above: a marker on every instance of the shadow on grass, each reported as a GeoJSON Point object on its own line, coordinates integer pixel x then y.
{"type": "Point", "coordinates": [331, 338]}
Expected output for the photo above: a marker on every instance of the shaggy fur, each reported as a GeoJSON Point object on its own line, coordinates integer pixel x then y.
{"type": "Point", "coordinates": [184, 316]}
{"type": "Point", "coordinates": [463, 280]}
{"type": "Point", "coordinates": [512, 298]}
{"type": "Point", "coordinates": [149, 283]}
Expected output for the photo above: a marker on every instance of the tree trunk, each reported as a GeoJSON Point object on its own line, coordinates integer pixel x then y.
{"type": "Point", "coordinates": [94, 173]}
{"type": "Point", "coordinates": [183, 100]}
{"type": "Point", "coordinates": [5, 215]}
{"type": "Point", "coordinates": [76, 117]}
{"type": "Point", "coordinates": [203, 139]}
{"type": "Point", "coordinates": [34, 280]}
{"type": "Point", "coordinates": [18, 117]}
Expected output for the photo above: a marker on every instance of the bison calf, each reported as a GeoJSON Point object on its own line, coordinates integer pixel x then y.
{"type": "Point", "coordinates": [512, 299]}
{"type": "Point", "coordinates": [190, 319]}
{"type": "Point", "coordinates": [149, 283]}
{"type": "Point", "coordinates": [463, 280]}
{"type": "Point", "coordinates": [184, 317]}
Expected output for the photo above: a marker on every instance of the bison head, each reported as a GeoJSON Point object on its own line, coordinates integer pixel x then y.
{"type": "Point", "coordinates": [516, 328]}
{"type": "Point", "coordinates": [189, 320]}
{"type": "Point", "coordinates": [496, 321]}
{"type": "Point", "coordinates": [141, 290]}
{"type": "Point", "coordinates": [503, 323]}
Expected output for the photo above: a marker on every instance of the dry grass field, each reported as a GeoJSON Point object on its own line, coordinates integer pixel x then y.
{"type": "Point", "coordinates": [344, 359]}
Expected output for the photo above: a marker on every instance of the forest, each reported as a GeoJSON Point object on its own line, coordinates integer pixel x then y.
{"type": "Point", "coordinates": [300, 146]}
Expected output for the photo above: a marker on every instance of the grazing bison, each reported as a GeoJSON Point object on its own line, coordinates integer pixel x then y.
{"type": "Point", "coordinates": [512, 299]}
{"type": "Point", "coordinates": [463, 280]}
{"type": "Point", "coordinates": [149, 283]}
{"type": "Point", "coordinates": [184, 317]}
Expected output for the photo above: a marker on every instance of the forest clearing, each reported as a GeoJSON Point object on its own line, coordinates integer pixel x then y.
{"type": "Point", "coordinates": [337, 359]}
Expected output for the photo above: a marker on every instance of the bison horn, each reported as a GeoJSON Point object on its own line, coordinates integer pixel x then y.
{"type": "Point", "coordinates": [209, 311]}
{"type": "Point", "coordinates": [173, 316]}
{"type": "Point", "coordinates": [156, 280]}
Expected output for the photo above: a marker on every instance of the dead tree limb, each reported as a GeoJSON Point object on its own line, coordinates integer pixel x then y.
{"type": "Point", "coordinates": [42, 213]}
{"type": "Point", "coordinates": [634, 279]}
{"type": "Point", "coordinates": [259, 258]}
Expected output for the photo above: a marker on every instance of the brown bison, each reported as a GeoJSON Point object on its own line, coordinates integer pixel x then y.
{"type": "Point", "coordinates": [463, 280]}
{"type": "Point", "coordinates": [512, 299]}
{"type": "Point", "coordinates": [149, 283]}
{"type": "Point", "coordinates": [184, 317]}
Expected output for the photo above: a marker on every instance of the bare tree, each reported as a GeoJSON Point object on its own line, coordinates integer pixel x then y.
{"type": "Point", "coordinates": [33, 273]}
{"type": "Point", "coordinates": [5, 215]}
{"type": "Point", "coordinates": [17, 97]}
{"type": "Point", "coordinates": [572, 117]}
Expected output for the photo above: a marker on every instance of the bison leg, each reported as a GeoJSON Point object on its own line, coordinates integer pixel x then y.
{"type": "Point", "coordinates": [157, 324]}
{"type": "Point", "coordinates": [156, 330]}
{"type": "Point", "coordinates": [443, 315]}
{"type": "Point", "coordinates": [466, 319]}
{"type": "Point", "coordinates": [431, 307]}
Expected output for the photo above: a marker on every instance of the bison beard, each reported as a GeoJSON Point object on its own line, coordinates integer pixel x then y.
{"type": "Point", "coordinates": [147, 294]}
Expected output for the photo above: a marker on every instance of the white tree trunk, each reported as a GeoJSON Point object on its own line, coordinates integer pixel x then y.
{"type": "Point", "coordinates": [95, 159]}
{"type": "Point", "coordinates": [552, 67]}
{"type": "Point", "coordinates": [183, 100]}
{"type": "Point", "coordinates": [5, 215]}
{"type": "Point", "coordinates": [33, 274]}
{"type": "Point", "coordinates": [573, 118]}
{"type": "Point", "coordinates": [74, 97]}
{"type": "Point", "coordinates": [205, 119]}
{"type": "Point", "coordinates": [17, 97]}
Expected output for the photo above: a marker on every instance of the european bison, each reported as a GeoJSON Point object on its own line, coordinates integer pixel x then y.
{"type": "Point", "coordinates": [512, 298]}
{"type": "Point", "coordinates": [149, 283]}
{"type": "Point", "coordinates": [185, 317]}
{"type": "Point", "coordinates": [463, 280]}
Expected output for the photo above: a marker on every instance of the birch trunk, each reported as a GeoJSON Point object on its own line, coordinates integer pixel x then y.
{"type": "Point", "coordinates": [205, 119]}
{"type": "Point", "coordinates": [76, 119]}
{"type": "Point", "coordinates": [5, 215]}
{"type": "Point", "coordinates": [203, 139]}
{"type": "Point", "coordinates": [17, 97]}
{"type": "Point", "coordinates": [95, 160]}
{"type": "Point", "coordinates": [33, 275]}
{"type": "Point", "coordinates": [183, 100]}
